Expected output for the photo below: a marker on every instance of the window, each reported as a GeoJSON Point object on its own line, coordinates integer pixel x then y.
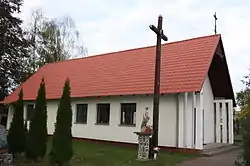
{"type": "Point", "coordinates": [128, 111]}
{"type": "Point", "coordinates": [29, 111]}
{"type": "Point", "coordinates": [81, 113]}
{"type": "Point", "coordinates": [103, 111]}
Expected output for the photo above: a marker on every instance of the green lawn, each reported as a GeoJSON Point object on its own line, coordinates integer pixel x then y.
{"type": "Point", "coordinates": [99, 154]}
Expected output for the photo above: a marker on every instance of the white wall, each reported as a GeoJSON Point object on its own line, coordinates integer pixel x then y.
{"type": "Point", "coordinates": [186, 133]}
{"type": "Point", "coordinates": [113, 131]}
{"type": "Point", "coordinates": [190, 121]}
{"type": "Point", "coordinates": [10, 114]}
{"type": "Point", "coordinates": [208, 105]}
{"type": "Point", "coordinates": [167, 121]}
{"type": "Point", "coordinates": [167, 118]}
{"type": "Point", "coordinates": [186, 118]}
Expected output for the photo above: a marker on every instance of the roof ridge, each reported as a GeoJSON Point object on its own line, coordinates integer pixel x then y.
{"type": "Point", "coordinates": [133, 49]}
{"type": "Point", "coordinates": [195, 38]}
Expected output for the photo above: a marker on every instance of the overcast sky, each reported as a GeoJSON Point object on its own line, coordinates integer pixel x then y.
{"type": "Point", "coordinates": [112, 25]}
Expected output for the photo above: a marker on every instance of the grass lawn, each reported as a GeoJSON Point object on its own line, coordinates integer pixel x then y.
{"type": "Point", "coordinates": [99, 154]}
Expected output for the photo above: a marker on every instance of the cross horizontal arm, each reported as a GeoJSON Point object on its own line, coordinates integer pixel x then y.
{"type": "Point", "coordinates": [165, 38]}
{"type": "Point", "coordinates": [153, 28]}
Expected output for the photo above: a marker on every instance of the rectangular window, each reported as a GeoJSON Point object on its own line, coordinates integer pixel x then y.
{"type": "Point", "coordinates": [103, 113]}
{"type": "Point", "coordinates": [81, 113]}
{"type": "Point", "coordinates": [128, 111]}
{"type": "Point", "coordinates": [29, 111]}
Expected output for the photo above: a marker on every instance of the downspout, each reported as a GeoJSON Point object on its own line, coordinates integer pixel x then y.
{"type": "Point", "coordinates": [193, 119]}
{"type": "Point", "coordinates": [177, 118]}
{"type": "Point", "coordinates": [185, 120]}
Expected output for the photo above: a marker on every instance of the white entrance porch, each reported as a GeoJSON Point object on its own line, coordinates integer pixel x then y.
{"type": "Point", "coordinates": [204, 122]}
{"type": "Point", "coordinates": [223, 129]}
{"type": "Point", "coordinates": [223, 115]}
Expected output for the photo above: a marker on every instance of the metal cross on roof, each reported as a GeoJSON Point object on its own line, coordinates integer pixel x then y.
{"type": "Point", "coordinates": [215, 21]}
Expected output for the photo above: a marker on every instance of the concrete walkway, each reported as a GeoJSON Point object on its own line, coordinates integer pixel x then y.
{"type": "Point", "coordinates": [224, 159]}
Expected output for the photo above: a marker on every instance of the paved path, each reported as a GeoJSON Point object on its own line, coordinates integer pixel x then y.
{"type": "Point", "coordinates": [225, 159]}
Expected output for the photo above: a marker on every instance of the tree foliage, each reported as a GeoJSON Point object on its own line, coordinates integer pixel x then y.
{"type": "Point", "coordinates": [37, 135]}
{"type": "Point", "coordinates": [16, 136]}
{"type": "Point", "coordinates": [243, 100]}
{"type": "Point", "coordinates": [13, 47]}
{"type": "Point", "coordinates": [32, 36]}
{"type": "Point", "coordinates": [62, 151]}
{"type": "Point", "coordinates": [246, 140]}
{"type": "Point", "coordinates": [243, 97]}
{"type": "Point", "coordinates": [52, 40]}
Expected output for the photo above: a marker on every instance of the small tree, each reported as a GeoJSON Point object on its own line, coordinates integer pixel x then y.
{"type": "Point", "coordinates": [246, 140]}
{"type": "Point", "coordinates": [16, 135]}
{"type": "Point", "coordinates": [243, 100]}
{"type": "Point", "coordinates": [62, 150]}
{"type": "Point", "coordinates": [37, 135]}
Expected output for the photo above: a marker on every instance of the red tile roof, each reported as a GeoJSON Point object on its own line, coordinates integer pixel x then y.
{"type": "Point", "coordinates": [184, 66]}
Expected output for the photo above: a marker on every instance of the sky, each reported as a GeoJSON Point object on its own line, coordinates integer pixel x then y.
{"type": "Point", "coordinates": [113, 25]}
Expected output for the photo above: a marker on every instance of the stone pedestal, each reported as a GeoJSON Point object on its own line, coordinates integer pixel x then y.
{"type": "Point", "coordinates": [143, 145]}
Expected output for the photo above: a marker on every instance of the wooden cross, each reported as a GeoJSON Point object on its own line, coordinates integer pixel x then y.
{"type": "Point", "coordinates": [160, 35]}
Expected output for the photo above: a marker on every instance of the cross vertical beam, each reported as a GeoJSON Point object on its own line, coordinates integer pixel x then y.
{"type": "Point", "coordinates": [160, 36]}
